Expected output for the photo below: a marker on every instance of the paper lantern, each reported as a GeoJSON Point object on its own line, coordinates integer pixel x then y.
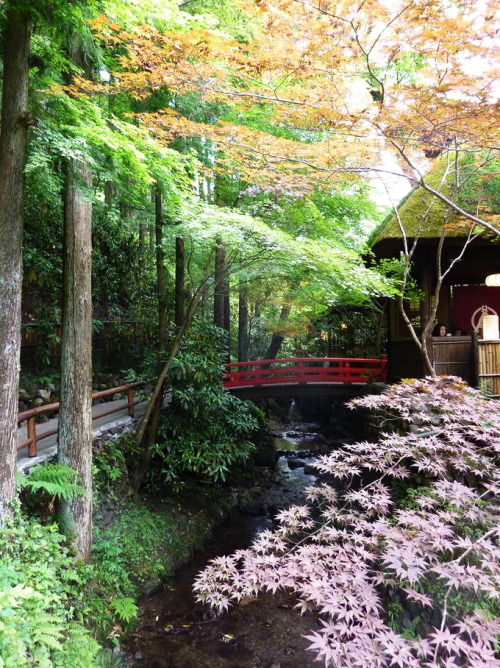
{"type": "Point", "coordinates": [490, 327]}
{"type": "Point", "coordinates": [493, 280]}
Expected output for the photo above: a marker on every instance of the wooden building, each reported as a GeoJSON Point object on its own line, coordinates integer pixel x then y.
{"type": "Point", "coordinates": [463, 292]}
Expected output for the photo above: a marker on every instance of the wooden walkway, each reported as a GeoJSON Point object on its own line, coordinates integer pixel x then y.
{"type": "Point", "coordinates": [47, 447]}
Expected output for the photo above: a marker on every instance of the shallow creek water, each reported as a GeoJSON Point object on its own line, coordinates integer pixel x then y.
{"type": "Point", "coordinates": [176, 632]}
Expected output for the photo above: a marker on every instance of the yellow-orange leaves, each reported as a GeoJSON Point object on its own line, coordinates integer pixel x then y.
{"type": "Point", "coordinates": [349, 78]}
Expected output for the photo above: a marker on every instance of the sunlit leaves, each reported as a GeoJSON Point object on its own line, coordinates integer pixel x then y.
{"type": "Point", "coordinates": [357, 77]}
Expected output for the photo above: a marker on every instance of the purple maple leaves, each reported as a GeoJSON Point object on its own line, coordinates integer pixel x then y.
{"type": "Point", "coordinates": [438, 554]}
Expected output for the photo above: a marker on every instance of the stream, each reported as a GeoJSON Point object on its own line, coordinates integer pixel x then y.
{"type": "Point", "coordinates": [176, 632]}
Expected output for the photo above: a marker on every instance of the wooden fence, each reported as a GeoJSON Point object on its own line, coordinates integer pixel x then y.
{"type": "Point", "coordinates": [454, 356]}
{"type": "Point", "coordinates": [489, 367]}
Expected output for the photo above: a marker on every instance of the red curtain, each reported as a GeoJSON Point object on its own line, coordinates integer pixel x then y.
{"type": "Point", "coordinates": [468, 298]}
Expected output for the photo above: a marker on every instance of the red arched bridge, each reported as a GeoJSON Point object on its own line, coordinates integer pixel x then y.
{"type": "Point", "coordinates": [302, 376]}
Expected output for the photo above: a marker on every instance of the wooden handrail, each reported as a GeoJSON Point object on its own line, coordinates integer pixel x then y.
{"type": "Point", "coordinates": [32, 413]}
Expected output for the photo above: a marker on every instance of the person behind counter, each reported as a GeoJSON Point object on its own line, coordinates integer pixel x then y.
{"type": "Point", "coordinates": [439, 330]}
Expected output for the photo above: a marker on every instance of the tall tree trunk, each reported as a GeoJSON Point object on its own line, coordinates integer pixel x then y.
{"type": "Point", "coordinates": [75, 415]}
{"type": "Point", "coordinates": [142, 245]}
{"type": "Point", "coordinates": [221, 295]}
{"type": "Point", "coordinates": [150, 435]}
{"type": "Point", "coordinates": [278, 337]}
{"type": "Point", "coordinates": [13, 139]}
{"type": "Point", "coordinates": [179, 281]}
{"type": "Point", "coordinates": [75, 420]}
{"type": "Point", "coordinates": [161, 276]}
{"type": "Point", "coordinates": [227, 315]}
{"type": "Point", "coordinates": [220, 262]}
{"type": "Point", "coordinates": [243, 332]}
{"type": "Point", "coordinates": [139, 325]}
{"type": "Point", "coordinates": [149, 422]}
{"type": "Point", "coordinates": [109, 192]}
{"type": "Point", "coordinates": [152, 239]}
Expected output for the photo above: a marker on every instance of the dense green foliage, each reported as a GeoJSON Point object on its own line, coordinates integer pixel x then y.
{"type": "Point", "coordinates": [307, 248]}
{"type": "Point", "coordinates": [206, 430]}
{"type": "Point", "coordinates": [38, 621]}
{"type": "Point", "coordinates": [55, 612]}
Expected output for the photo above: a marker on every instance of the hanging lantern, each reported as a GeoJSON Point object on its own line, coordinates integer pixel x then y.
{"type": "Point", "coordinates": [493, 280]}
{"type": "Point", "coordinates": [490, 327]}
{"type": "Point", "coordinates": [487, 318]}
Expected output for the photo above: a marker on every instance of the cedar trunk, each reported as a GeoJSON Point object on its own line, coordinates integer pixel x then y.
{"type": "Point", "coordinates": [179, 281]}
{"type": "Point", "coordinates": [278, 337]}
{"type": "Point", "coordinates": [153, 423]}
{"type": "Point", "coordinates": [227, 315]}
{"type": "Point", "coordinates": [243, 332]}
{"type": "Point", "coordinates": [142, 245]}
{"type": "Point", "coordinates": [161, 276]}
{"type": "Point", "coordinates": [75, 420]}
{"type": "Point", "coordinates": [220, 262]}
{"type": "Point", "coordinates": [13, 139]}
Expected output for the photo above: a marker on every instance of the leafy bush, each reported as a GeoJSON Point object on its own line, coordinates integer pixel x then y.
{"type": "Point", "coordinates": [110, 466]}
{"type": "Point", "coordinates": [352, 553]}
{"type": "Point", "coordinates": [206, 430]}
{"type": "Point", "coordinates": [37, 579]}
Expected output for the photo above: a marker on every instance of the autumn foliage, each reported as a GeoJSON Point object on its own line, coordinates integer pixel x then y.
{"type": "Point", "coordinates": [349, 88]}
{"type": "Point", "coordinates": [397, 554]}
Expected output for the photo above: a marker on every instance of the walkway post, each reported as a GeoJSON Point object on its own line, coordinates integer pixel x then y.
{"type": "Point", "coordinates": [31, 427]}
{"type": "Point", "coordinates": [130, 400]}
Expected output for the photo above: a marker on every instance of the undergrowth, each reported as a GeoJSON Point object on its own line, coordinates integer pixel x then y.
{"type": "Point", "coordinates": [38, 579]}
{"type": "Point", "coordinates": [57, 612]}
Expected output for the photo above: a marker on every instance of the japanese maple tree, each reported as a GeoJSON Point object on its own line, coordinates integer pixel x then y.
{"type": "Point", "coordinates": [412, 518]}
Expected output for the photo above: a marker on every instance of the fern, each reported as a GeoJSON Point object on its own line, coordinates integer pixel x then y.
{"type": "Point", "coordinates": [79, 650]}
{"type": "Point", "coordinates": [55, 479]}
{"type": "Point", "coordinates": [124, 608]}
{"type": "Point", "coordinates": [27, 628]}
{"type": "Point", "coordinates": [37, 602]}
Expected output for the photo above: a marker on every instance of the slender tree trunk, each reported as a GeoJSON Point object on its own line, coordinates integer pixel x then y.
{"type": "Point", "coordinates": [161, 276]}
{"type": "Point", "coordinates": [179, 281]}
{"type": "Point", "coordinates": [150, 435]}
{"type": "Point", "coordinates": [75, 420]}
{"type": "Point", "coordinates": [221, 295]}
{"type": "Point", "coordinates": [152, 239]}
{"type": "Point", "coordinates": [13, 139]}
{"type": "Point", "coordinates": [142, 244]}
{"type": "Point", "coordinates": [220, 261]}
{"type": "Point", "coordinates": [227, 314]}
{"type": "Point", "coordinates": [109, 192]}
{"type": "Point", "coordinates": [278, 337]}
{"type": "Point", "coordinates": [243, 332]}
{"type": "Point", "coordinates": [205, 302]}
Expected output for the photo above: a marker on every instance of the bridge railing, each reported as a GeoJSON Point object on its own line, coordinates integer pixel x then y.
{"type": "Point", "coordinates": [305, 370]}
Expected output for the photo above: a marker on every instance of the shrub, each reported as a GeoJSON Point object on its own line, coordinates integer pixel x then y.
{"type": "Point", "coordinates": [206, 430]}
{"type": "Point", "coordinates": [352, 551]}
{"type": "Point", "coordinates": [37, 578]}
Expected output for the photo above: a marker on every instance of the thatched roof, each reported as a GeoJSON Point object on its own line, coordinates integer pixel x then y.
{"type": "Point", "coordinates": [423, 215]}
